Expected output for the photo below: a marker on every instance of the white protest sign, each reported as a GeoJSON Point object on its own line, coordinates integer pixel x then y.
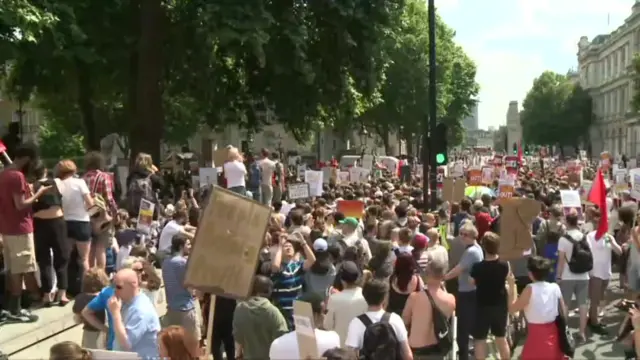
{"type": "Point", "coordinates": [314, 179]}
{"type": "Point", "coordinates": [298, 191]}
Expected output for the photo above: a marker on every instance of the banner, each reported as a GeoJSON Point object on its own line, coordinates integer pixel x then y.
{"type": "Point", "coordinates": [511, 164]}
{"type": "Point", "coordinates": [475, 176]}
{"type": "Point", "coordinates": [488, 174]}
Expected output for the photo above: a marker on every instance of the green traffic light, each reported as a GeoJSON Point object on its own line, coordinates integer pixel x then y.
{"type": "Point", "coordinates": [439, 158]}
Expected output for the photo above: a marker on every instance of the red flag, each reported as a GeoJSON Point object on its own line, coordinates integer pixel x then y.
{"type": "Point", "coordinates": [598, 196]}
{"type": "Point", "coordinates": [520, 152]}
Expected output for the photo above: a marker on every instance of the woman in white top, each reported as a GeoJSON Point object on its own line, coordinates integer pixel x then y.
{"type": "Point", "coordinates": [235, 172]}
{"type": "Point", "coordinates": [541, 302]}
{"type": "Point", "coordinates": [599, 276]}
{"type": "Point", "coordinates": [76, 199]}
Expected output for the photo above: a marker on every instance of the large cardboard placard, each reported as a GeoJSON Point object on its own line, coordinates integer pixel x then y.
{"type": "Point", "coordinates": [305, 333]}
{"type": "Point", "coordinates": [113, 355]}
{"type": "Point", "coordinates": [453, 189]}
{"type": "Point", "coordinates": [227, 244]}
{"type": "Point", "coordinates": [515, 226]}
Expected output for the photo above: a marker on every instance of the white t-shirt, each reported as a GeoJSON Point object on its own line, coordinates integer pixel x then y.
{"type": "Point", "coordinates": [355, 334]}
{"type": "Point", "coordinates": [73, 192]}
{"type": "Point", "coordinates": [268, 167]}
{"type": "Point", "coordinates": [235, 172]}
{"type": "Point", "coordinates": [168, 232]}
{"type": "Point", "coordinates": [601, 251]}
{"type": "Point", "coordinates": [286, 346]}
{"type": "Point", "coordinates": [566, 246]}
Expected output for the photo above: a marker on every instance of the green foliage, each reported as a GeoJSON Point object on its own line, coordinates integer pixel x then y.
{"type": "Point", "coordinates": [57, 143]}
{"type": "Point", "coordinates": [556, 111]}
{"type": "Point", "coordinates": [405, 105]}
{"type": "Point", "coordinates": [153, 70]}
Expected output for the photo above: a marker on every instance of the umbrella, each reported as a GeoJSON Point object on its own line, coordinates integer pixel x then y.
{"type": "Point", "coordinates": [477, 191]}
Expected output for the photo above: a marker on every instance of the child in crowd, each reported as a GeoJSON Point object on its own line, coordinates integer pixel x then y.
{"type": "Point", "coordinates": [95, 279]}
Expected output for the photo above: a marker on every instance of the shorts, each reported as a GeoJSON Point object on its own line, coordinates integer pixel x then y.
{"type": "Point", "coordinates": [19, 253]}
{"type": "Point", "coordinates": [579, 288]}
{"type": "Point", "coordinates": [103, 238]}
{"type": "Point", "coordinates": [79, 230]}
{"type": "Point", "coordinates": [492, 318]}
{"type": "Point", "coordinates": [189, 320]}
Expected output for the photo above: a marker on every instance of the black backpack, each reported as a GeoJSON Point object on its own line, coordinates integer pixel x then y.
{"type": "Point", "coordinates": [581, 258]}
{"type": "Point", "coordinates": [441, 327]}
{"type": "Point", "coordinates": [380, 341]}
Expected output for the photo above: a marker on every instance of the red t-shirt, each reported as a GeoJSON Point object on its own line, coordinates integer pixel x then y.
{"type": "Point", "coordinates": [12, 220]}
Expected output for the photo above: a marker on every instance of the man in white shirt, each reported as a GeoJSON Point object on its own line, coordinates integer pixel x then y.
{"type": "Point", "coordinates": [177, 226]}
{"type": "Point", "coordinates": [573, 283]}
{"type": "Point", "coordinates": [286, 347]}
{"type": "Point", "coordinates": [344, 306]}
{"type": "Point", "coordinates": [268, 167]}
{"type": "Point", "coordinates": [375, 292]}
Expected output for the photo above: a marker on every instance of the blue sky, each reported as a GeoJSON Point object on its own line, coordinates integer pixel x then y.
{"type": "Point", "coordinates": [514, 41]}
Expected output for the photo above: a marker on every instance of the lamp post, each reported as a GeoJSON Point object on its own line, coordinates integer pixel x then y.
{"type": "Point", "coordinates": [430, 177]}
{"type": "Point", "coordinates": [18, 117]}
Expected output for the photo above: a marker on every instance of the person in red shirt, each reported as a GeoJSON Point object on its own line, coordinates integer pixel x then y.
{"type": "Point", "coordinates": [483, 218]}
{"type": "Point", "coordinates": [16, 230]}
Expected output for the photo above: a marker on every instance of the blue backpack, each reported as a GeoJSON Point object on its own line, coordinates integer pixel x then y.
{"type": "Point", "coordinates": [255, 176]}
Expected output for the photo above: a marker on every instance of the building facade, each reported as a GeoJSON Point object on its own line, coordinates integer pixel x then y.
{"type": "Point", "coordinates": [470, 123]}
{"type": "Point", "coordinates": [606, 72]}
{"type": "Point", "coordinates": [514, 128]}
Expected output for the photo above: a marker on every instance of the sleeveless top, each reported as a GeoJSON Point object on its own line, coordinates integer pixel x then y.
{"type": "Point", "coordinates": [50, 198]}
{"type": "Point", "coordinates": [398, 300]}
{"type": "Point", "coordinates": [544, 302]}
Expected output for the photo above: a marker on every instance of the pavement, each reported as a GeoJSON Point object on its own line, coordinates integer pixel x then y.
{"type": "Point", "coordinates": [32, 341]}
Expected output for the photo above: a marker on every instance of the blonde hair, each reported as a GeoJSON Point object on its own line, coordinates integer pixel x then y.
{"type": "Point", "coordinates": [129, 261]}
{"type": "Point", "coordinates": [68, 350]}
{"type": "Point", "coordinates": [65, 168]}
{"type": "Point", "coordinates": [144, 161]}
{"type": "Point", "coordinates": [234, 154]}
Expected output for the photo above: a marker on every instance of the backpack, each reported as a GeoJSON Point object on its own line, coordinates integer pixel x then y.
{"type": "Point", "coordinates": [441, 327]}
{"type": "Point", "coordinates": [139, 189]}
{"type": "Point", "coordinates": [581, 257]}
{"type": "Point", "coordinates": [255, 176]}
{"type": "Point", "coordinates": [380, 341]}
{"type": "Point", "coordinates": [277, 174]}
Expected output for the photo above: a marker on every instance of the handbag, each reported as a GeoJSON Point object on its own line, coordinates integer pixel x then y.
{"type": "Point", "coordinates": [100, 218]}
{"type": "Point", "coordinates": [565, 340]}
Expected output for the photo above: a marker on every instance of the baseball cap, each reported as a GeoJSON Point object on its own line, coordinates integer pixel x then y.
{"type": "Point", "coordinates": [349, 272]}
{"type": "Point", "coordinates": [320, 245]}
{"type": "Point", "coordinates": [350, 221]}
{"type": "Point", "coordinates": [420, 241]}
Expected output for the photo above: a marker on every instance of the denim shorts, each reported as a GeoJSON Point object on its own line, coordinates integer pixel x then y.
{"type": "Point", "coordinates": [79, 230]}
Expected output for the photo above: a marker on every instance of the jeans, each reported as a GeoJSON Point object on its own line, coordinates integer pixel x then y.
{"type": "Point", "coordinates": [255, 193]}
{"type": "Point", "coordinates": [267, 194]}
{"type": "Point", "coordinates": [466, 310]}
{"type": "Point", "coordinates": [239, 190]}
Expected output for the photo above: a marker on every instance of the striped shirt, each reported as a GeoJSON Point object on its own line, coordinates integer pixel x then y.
{"type": "Point", "coordinates": [287, 287]}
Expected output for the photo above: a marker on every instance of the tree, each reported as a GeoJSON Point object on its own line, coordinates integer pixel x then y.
{"type": "Point", "coordinates": [556, 111]}
{"type": "Point", "coordinates": [140, 68]}
{"type": "Point", "coordinates": [404, 106]}
{"type": "Point", "coordinates": [57, 143]}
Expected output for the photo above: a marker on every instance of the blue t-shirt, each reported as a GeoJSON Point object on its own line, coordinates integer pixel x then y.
{"type": "Point", "coordinates": [173, 271]}
{"type": "Point", "coordinates": [472, 255]}
{"type": "Point", "coordinates": [142, 325]}
{"type": "Point", "coordinates": [99, 303]}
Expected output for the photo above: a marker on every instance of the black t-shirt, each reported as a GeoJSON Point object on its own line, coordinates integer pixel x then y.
{"type": "Point", "coordinates": [490, 277]}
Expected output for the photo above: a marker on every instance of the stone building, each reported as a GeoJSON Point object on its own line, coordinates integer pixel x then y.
{"type": "Point", "coordinates": [606, 72]}
{"type": "Point", "coordinates": [514, 129]}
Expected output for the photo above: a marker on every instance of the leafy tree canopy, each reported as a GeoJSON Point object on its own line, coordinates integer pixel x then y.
{"type": "Point", "coordinates": [162, 71]}
{"type": "Point", "coordinates": [556, 111]}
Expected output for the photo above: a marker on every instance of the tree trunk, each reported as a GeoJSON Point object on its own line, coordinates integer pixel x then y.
{"type": "Point", "coordinates": [147, 130]}
{"type": "Point", "coordinates": [86, 106]}
{"type": "Point", "coordinates": [132, 86]}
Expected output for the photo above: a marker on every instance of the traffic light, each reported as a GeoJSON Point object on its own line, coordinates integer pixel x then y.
{"type": "Point", "coordinates": [439, 143]}
{"type": "Point", "coordinates": [526, 150]}
{"type": "Point", "coordinates": [515, 148]}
